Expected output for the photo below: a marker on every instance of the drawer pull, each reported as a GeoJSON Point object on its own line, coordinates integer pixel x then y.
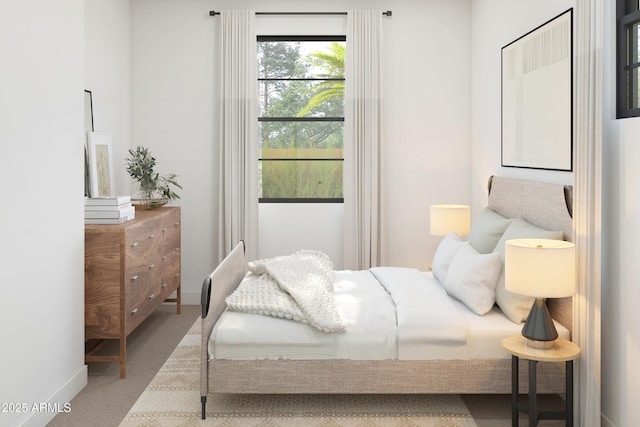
{"type": "Point", "coordinates": [177, 224]}
{"type": "Point", "coordinates": [134, 278]}
{"type": "Point", "coordinates": [152, 296]}
{"type": "Point", "coordinates": [164, 230]}
{"type": "Point", "coordinates": [134, 244]}
{"type": "Point", "coordinates": [151, 266]}
{"type": "Point", "coordinates": [177, 275]}
{"type": "Point", "coordinates": [164, 258]}
{"type": "Point", "coordinates": [151, 236]}
{"type": "Point", "coordinates": [134, 311]}
{"type": "Point", "coordinates": [164, 285]}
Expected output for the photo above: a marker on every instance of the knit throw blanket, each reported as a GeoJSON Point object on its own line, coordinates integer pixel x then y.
{"type": "Point", "coordinates": [297, 287]}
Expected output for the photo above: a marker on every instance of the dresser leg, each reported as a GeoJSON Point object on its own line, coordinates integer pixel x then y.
{"type": "Point", "coordinates": [178, 300]}
{"type": "Point", "coordinates": [123, 356]}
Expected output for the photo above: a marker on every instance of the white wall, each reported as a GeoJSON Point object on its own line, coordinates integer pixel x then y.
{"type": "Point", "coordinates": [173, 115]}
{"type": "Point", "coordinates": [320, 229]}
{"type": "Point", "coordinates": [426, 156]}
{"type": "Point", "coordinates": [621, 233]}
{"type": "Point", "coordinates": [107, 67]}
{"type": "Point", "coordinates": [42, 243]}
{"type": "Point", "coordinates": [426, 129]}
{"type": "Point", "coordinates": [494, 24]}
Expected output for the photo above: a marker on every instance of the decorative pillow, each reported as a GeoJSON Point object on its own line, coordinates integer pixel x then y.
{"type": "Point", "coordinates": [486, 230]}
{"type": "Point", "coordinates": [472, 278]}
{"type": "Point", "coordinates": [517, 306]}
{"type": "Point", "coordinates": [444, 255]}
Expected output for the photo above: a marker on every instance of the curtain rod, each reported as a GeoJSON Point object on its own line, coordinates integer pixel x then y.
{"type": "Point", "coordinates": [214, 13]}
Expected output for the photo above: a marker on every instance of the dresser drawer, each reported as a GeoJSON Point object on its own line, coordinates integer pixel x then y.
{"type": "Point", "coordinates": [170, 274]}
{"type": "Point", "coordinates": [139, 282]}
{"type": "Point", "coordinates": [170, 233]}
{"type": "Point", "coordinates": [142, 241]}
{"type": "Point", "coordinates": [142, 307]}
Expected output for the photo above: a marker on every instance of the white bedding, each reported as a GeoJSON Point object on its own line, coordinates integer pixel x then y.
{"type": "Point", "coordinates": [374, 331]}
{"type": "Point", "coordinates": [428, 325]}
{"type": "Point", "coordinates": [364, 306]}
{"type": "Point", "coordinates": [297, 286]}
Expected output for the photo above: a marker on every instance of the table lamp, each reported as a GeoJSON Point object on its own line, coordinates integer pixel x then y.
{"type": "Point", "coordinates": [540, 268]}
{"type": "Point", "coordinates": [447, 218]}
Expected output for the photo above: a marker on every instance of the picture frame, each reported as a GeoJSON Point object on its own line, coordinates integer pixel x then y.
{"type": "Point", "coordinates": [100, 164]}
{"type": "Point", "coordinates": [88, 127]}
{"type": "Point", "coordinates": [537, 97]}
{"type": "Point", "coordinates": [88, 111]}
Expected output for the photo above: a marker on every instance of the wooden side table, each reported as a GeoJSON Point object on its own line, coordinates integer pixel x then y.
{"type": "Point", "coordinates": [563, 351]}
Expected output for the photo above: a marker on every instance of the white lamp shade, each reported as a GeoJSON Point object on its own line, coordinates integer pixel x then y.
{"type": "Point", "coordinates": [447, 218]}
{"type": "Point", "coordinates": [540, 268]}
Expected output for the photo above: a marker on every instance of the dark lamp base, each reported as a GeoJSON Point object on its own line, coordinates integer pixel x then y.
{"type": "Point", "coordinates": [539, 330]}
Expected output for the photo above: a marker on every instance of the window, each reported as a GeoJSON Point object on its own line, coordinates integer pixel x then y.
{"type": "Point", "coordinates": [628, 59]}
{"type": "Point", "coordinates": [301, 118]}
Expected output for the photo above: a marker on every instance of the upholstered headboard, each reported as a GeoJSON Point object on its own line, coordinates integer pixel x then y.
{"type": "Point", "coordinates": [549, 206]}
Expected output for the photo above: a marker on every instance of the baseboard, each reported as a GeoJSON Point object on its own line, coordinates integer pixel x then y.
{"type": "Point", "coordinates": [190, 299]}
{"type": "Point", "coordinates": [59, 402]}
{"type": "Point", "coordinates": [186, 299]}
{"type": "Point", "coordinates": [606, 422]}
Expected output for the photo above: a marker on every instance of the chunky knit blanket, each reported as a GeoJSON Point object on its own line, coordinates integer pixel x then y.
{"type": "Point", "coordinates": [297, 287]}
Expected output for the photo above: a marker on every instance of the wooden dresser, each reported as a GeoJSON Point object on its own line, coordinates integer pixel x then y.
{"type": "Point", "coordinates": [129, 269]}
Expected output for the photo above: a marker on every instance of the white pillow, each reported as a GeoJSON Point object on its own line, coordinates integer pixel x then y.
{"type": "Point", "coordinates": [472, 278]}
{"type": "Point", "coordinates": [444, 255]}
{"type": "Point", "coordinates": [517, 306]}
{"type": "Point", "coordinates": [486, 230]}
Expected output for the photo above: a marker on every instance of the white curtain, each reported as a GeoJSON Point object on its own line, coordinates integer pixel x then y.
{"type": "Point", "coordinates": [362, 134]}
{"type": "Point", "coordinates": [238, 177]}
{"type": "Point", "coordinates": [587, 208]}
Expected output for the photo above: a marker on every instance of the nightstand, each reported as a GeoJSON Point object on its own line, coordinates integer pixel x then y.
{"type": "Point", "coordinates": [563, 351]}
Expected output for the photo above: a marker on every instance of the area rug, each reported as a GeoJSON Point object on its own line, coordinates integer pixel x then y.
{"type": "Point", "coordinates": [172, 398]}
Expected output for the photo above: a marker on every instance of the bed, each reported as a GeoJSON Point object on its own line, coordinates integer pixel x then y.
{"type": "Point", "coordinates": [248, 359]}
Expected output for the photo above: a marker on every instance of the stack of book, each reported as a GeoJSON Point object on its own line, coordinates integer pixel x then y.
{"type": "Point", "coordinates": [108, 210]}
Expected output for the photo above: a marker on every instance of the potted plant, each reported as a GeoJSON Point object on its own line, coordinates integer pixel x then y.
{"type": "Point", "coordinates": [156, 190]}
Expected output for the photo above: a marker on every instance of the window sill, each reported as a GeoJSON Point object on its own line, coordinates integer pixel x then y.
{"type": "Point", "coordinates": [285, 200]}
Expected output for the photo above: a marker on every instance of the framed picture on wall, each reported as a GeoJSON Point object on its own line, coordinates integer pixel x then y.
{"type": "Point", "coordinates": [100, 164]}
{"type": "Point", "coordinates": [537, 92]}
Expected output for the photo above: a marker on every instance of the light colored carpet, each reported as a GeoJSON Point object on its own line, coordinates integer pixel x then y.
{"type": "Point", "coordinates": [494, 410]}
{"type": "Point", "coordinates": [173, 399]}
{"type": "Point", "coordinates": [107, 398]}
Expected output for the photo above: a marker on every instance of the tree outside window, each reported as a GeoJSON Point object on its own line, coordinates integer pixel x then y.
{"type": "Point", "coordinates": [301, 118]}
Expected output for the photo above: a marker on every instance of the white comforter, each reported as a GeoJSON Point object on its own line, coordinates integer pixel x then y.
{"type": "Point", "coordinates": [426, 316]}
{"type": "Point", "coordinates": [388, 313]}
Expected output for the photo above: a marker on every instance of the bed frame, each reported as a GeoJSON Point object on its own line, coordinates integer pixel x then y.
{"type": "Point", "coordinates": [546, 205]}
